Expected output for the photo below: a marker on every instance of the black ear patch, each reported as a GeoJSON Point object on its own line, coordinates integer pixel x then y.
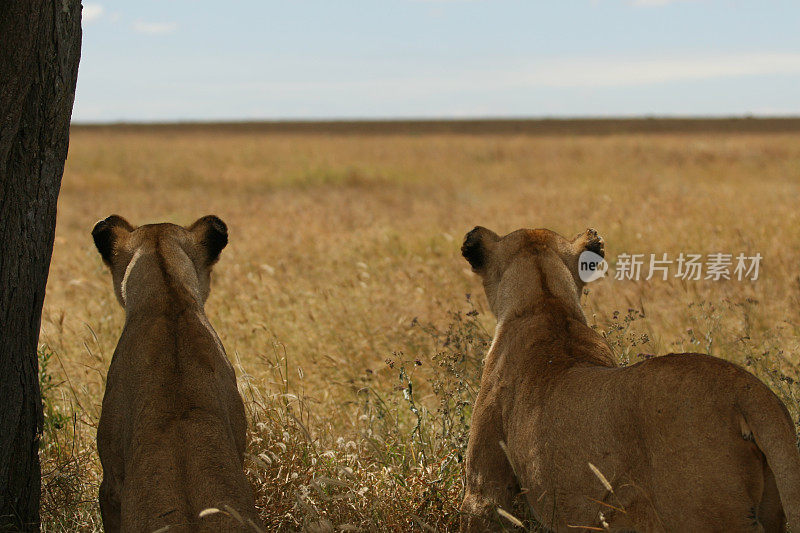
{"type": "Point", "coordinates": [595, 242]}
{"type": "Point", "coordinates": [105, 234]}
{"type": "Point", "coordinates": [214, 236]}
{"type": "Point", "coordinates": [473, 249]}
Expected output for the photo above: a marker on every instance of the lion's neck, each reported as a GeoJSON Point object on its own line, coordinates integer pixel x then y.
{"type": "Point", "coordinates": [542, 305]}
{"type": "Point", "coordinates": [551, 337]}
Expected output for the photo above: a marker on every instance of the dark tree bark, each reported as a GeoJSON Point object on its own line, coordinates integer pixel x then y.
{"type": "Point", "coordinates": [40, 43]}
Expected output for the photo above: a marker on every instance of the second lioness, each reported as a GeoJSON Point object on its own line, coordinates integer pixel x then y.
{"type": "Point", "coordinates": [172, 429]}
{"type": "Point", "coordinates": [676, 443]}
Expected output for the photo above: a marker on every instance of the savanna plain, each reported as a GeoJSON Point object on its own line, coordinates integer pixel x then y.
{"type": "Point", "coordinates": [356, 328]}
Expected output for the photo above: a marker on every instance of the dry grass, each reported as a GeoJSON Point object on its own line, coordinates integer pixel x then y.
{"type": "Point", "coordinates": [341, 297]}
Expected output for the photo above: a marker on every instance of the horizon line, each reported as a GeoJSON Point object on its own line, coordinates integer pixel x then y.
{"type": "Point", "coordinates": [442, 119]}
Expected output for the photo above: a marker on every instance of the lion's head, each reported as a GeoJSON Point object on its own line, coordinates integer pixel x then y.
{"type": "Point", "coordinates": [141, 257]}
{"type": "Point", "coordinates": [529, 267]}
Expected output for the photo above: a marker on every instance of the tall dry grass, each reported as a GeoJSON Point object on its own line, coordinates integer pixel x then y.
{"type": "Point", "coordinates": [342, 297]}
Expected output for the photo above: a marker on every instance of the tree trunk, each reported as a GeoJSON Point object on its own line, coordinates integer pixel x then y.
{"type": "Point", "coordinates": [39, 52]}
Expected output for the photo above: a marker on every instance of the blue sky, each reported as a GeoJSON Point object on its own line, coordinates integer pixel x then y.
{"type": "Point", "coordinates": [164, 60]}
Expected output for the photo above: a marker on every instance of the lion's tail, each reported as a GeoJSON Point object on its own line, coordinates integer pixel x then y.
{"type": "Point", "coordinates": [774, 434]}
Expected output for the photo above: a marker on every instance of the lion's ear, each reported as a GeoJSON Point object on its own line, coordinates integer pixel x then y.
{"type": "Point", "coordinates": [211, 234]}
{"type": "Point", "coordinates": [477, 247]}
{"type": "Point", "coordinates": [108, 235]}
{"type": "Point", "coordinates": [592, 241]}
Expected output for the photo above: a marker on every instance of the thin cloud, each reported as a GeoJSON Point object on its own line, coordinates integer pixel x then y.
{"type": "Point", "coordinates": [553, 74]}
{"type": "Point", "coordinates": [154, 28]}
{"type": "Point", "coordinates": [656, 3]}
{"type": "Point", "coordinates": [92, 12]}
{"type": "Point", "coordinates": [632, 72]}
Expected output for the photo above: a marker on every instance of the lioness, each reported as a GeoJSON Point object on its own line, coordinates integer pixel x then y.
{"type": "Point", "coordinates": [172, 428]}
{"type": "Point", "coordinates": [684, 442]}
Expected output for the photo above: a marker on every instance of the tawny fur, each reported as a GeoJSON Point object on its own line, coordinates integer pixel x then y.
{"type": "Point", "coordinates": [171, 436]}
{"type": "Point", "coordinates": [688, 442]}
